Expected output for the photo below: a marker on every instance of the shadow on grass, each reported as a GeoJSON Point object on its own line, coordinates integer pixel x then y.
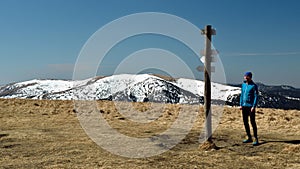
{"type": "Point", "coordinates": [261, 142]}
{"type": "Point", "coordinates": [279, 141]}
{"type": "Point", "coordinates": [3, 135]}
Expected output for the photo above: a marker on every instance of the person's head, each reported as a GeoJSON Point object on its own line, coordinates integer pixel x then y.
{"type": "Point", "coordinates": [248, 76]}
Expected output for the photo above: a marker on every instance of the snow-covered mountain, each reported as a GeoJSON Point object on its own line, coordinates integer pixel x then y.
{"type": "Point", "coordinates": [140, 88]}
{"type": "Point", "coordinates": [144, 88]}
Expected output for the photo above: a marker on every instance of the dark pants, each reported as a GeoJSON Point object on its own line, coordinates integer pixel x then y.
{"type": "Point", "coordinates": [246, 113]}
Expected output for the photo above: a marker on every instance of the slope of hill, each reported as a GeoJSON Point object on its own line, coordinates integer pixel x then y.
{"type": "Point", "coordinates": [283, 97]}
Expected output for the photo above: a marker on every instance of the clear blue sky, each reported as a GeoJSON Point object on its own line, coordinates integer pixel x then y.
{"type": "Point", "coordinates": [42, 38]}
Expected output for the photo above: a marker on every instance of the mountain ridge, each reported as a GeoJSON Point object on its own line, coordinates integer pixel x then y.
{"type": "Point", "coordinates": [147, 88]}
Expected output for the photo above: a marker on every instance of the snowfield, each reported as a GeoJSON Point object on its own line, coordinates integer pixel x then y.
{"type": "Point", "coordinates": [138, 88]}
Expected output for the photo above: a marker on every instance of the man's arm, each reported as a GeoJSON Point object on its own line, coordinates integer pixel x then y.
{"type": "Point", "coordinates": [241, 97]}
{"type": "Point", "coordinates": [255, 98]}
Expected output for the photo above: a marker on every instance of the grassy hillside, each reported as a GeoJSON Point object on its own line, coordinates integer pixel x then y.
{"type": "Point", "coordinates": [47, 134]}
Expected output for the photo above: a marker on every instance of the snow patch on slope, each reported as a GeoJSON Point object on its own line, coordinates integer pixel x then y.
{"type": "Point", "coordinates": [219, 91]}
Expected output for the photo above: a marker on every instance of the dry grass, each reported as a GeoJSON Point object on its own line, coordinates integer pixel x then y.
{"type": "Point", "coordinates": [47, 134]}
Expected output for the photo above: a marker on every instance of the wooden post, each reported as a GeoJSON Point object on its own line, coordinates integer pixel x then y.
{"type": "Point", "coordinates": [207, 79]}
{"type": "Point", "coordinates": [208, 54]}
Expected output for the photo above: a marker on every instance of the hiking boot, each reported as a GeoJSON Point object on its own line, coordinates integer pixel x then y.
{"type": "Point", "coordinates": [248, 140]}
{"type": "Point", "coordinates": [255, 142]}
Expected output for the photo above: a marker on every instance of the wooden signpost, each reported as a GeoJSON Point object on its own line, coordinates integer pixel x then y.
{"type": "Point", "coordinates": [208, 54]}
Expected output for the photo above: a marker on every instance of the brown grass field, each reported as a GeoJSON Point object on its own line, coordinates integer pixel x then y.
{"type": "Point", "coordinates": [47, 134]}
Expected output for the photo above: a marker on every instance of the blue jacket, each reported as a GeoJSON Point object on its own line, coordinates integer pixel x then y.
{"type": "Point", "coordinates": [249, 94]}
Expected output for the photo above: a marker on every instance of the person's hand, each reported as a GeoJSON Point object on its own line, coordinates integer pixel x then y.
{"type": "Point", "coordinates": [253, 109]}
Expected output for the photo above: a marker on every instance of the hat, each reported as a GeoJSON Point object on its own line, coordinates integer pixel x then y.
{"type": "Point", "coordinates": [248, 74]}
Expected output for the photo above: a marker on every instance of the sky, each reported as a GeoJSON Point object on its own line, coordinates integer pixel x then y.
{"type": "Point", "coordinates": [43, 38]}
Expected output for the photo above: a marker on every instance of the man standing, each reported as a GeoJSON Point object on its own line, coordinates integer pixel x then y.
{"type": "Point", "coordinates": [248, 103]}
